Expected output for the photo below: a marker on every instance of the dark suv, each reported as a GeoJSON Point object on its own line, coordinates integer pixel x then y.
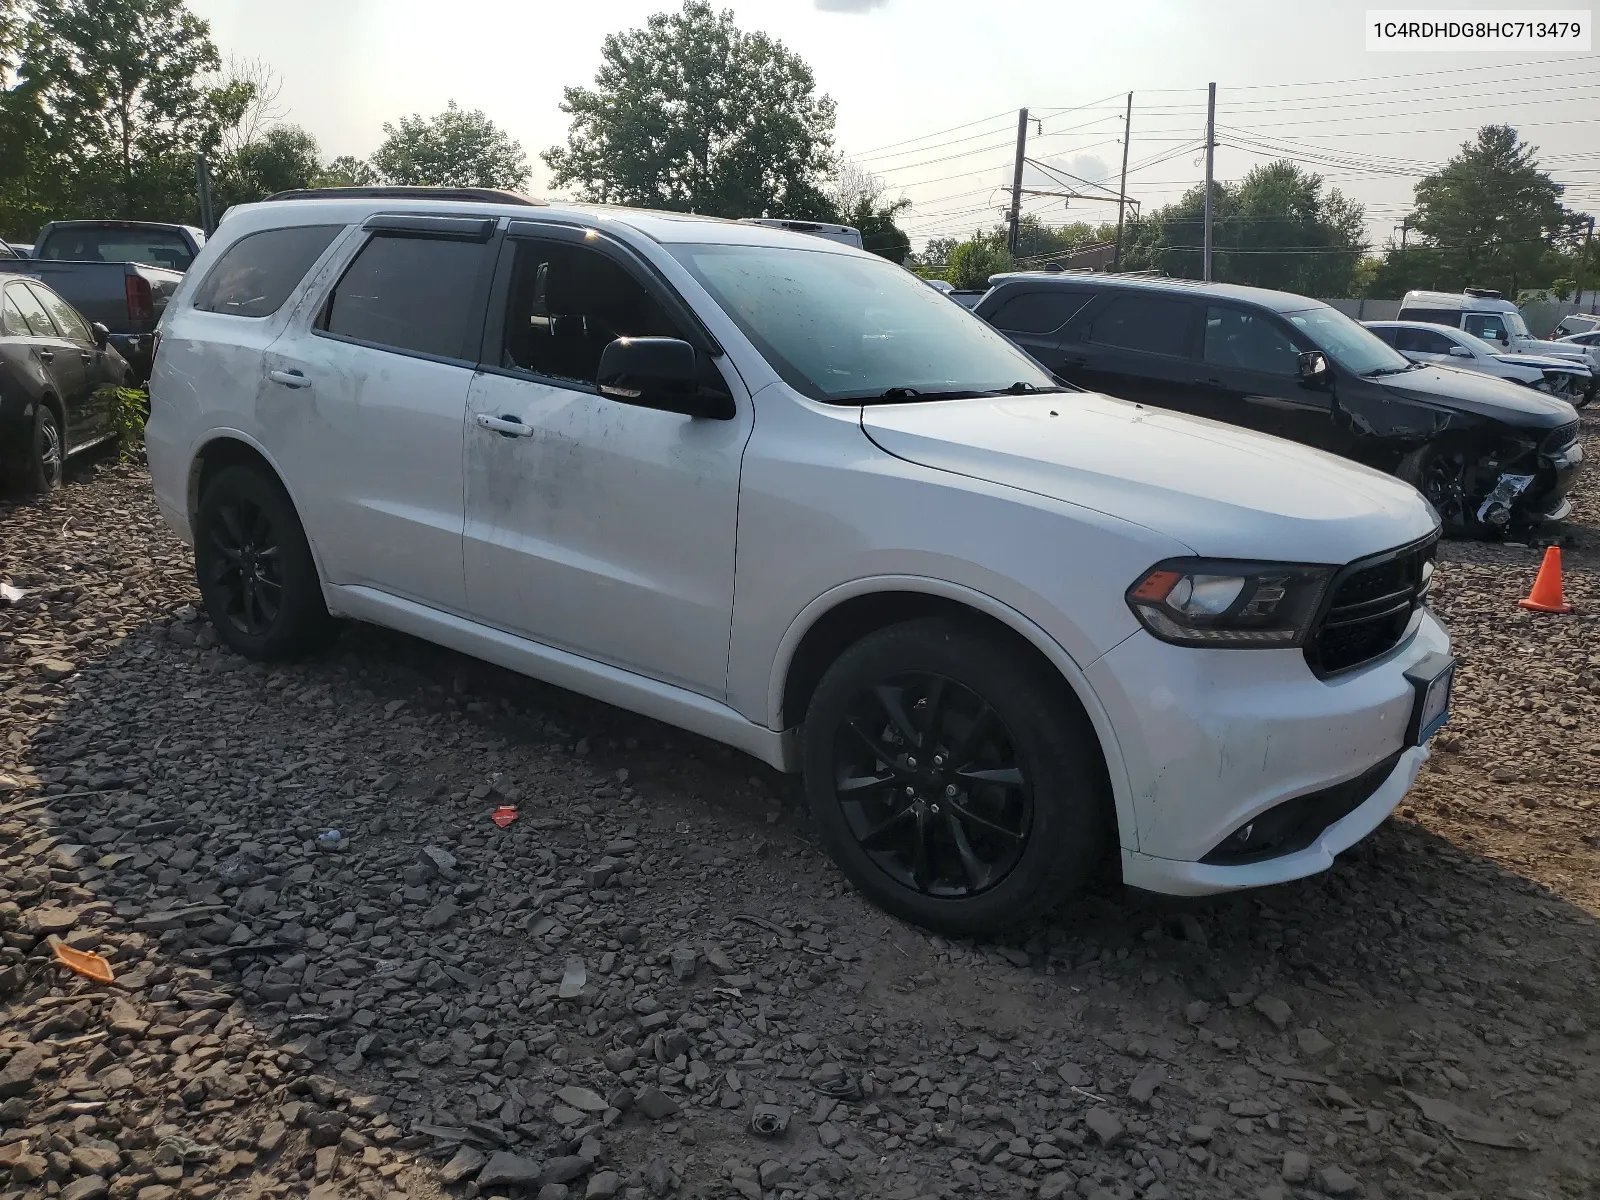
{"type": "Point", "coordinates": [1488, 454]}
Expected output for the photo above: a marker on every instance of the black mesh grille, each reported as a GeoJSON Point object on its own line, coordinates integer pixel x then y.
{"type": "Point", "coordinates": [1369, 608]}
{"type": "Point", "coordinates": [1559, 439]}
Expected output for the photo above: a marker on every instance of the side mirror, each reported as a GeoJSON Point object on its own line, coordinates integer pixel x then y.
{"type": "Point", "coordinates": [102, 335]}
{"type": "Point", "coordinates": [661, 373]}
{"type": "Point", "coordinates": [1460, 352]}
{"type": "Point", "coordinates": [1313, 364]}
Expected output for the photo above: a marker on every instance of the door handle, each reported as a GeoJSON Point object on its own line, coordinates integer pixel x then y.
{"type": "Point", "coordinates": [86, 356]}
{"type": "Point", "coordinates": [47, 356]}
{"type": "Point", "coordinates": [289, 379]}
{"type": "Point", "coordinates": [505, 426]}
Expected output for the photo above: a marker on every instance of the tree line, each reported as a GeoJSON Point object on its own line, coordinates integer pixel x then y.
{"type": "Point", "coordinates": [1490, 217]}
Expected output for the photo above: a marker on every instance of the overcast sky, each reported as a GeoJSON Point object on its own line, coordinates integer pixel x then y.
{"type": "Point", "coordinates": [928, 90]}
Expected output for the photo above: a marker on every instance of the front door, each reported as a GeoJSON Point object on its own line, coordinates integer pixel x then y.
{"type": "Point", "coordinates": [592, 525]}
{"type": "Point", "coordinates": [103, 373]}
{"type": "Point", "coordinates": [1251, 369]}
{"type": "Point", "coordinates": [61, 361]}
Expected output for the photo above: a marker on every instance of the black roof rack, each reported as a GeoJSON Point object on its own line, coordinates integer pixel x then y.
{"type": "Point", "coordinates": [1482, 293]}
{"type": "Point", "coordinates": [480, 195]}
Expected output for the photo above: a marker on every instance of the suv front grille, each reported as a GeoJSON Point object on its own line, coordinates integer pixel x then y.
{"type": "Point", "coordinates": [1559, 438]}
{"type": "Point", "coordinates": [1369, 608]}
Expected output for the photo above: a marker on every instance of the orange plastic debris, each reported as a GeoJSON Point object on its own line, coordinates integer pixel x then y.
{"type": "Point", "coordinates": [504, 815]}
{"type": "Point", "coordinates": [1546, 594]}
{"type": "Point", "coordinates": [85, 962]}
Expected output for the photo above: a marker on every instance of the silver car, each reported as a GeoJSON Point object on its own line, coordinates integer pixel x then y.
{"type": "Point", "coordinates": [1446, 346]}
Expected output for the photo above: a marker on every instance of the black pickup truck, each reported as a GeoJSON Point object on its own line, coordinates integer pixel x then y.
{"type": "Point", "coordinates": [117, 273]}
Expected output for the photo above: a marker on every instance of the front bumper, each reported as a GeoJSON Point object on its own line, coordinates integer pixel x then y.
{"type": "Point", "coordinates": [1558, 473]}
{"type": "Point", "coordinates": [1213, 739]}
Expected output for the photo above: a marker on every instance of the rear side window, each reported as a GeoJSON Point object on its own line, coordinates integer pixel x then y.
{"type": "Point", "coordinates": [412, 293]}
{"type": "Point", "coordinates": [66, 317]}
{"type": "Point", "coordinates": [1152, 324]}
{"type": "Point", "coordinates": [1039, 312]}
{"type": "Point", "coordinates": [255, 275]}
{"type": "Point", "coordinates": [1433, 316]}
{"type": "Point", "coordinates": [1386, 332]}
{"type": "Point", "coordinates": [1422, 341]}
{"type": "Point", "coordinates": [39, 323]}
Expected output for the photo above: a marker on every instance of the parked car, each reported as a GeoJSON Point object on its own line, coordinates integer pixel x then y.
{"type": "Point", "coordinates": [1577, 324]}
{"type": "Point", "coordinates": [845, 235]}
{"type": "Point", "coordinates": [1483, 313]}
{"type": "Point", "coordinates": [58, 374]}
{"type": "Point", "coordinates": [9, 250]}
{"type": "Point", "coordinates": [776, 491]}
{"type": "Point", "coordinates": [1446, 347]}
{"type": "Point", "coordinates": [1487, 454]}
{"type": "Point", "coordinates": [1581, 339]}
{"type": "Point", "coordinates": [119, 273]}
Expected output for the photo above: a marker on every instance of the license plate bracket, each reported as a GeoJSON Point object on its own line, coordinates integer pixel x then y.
{"type": "Point", "coordinates": [1432, 679]}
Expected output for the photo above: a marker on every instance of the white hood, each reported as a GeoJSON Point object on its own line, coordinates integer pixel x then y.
{"type": "Point", "coordinates": [1222, 491]}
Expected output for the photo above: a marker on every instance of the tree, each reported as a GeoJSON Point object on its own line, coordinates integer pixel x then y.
{"type": "Point", "coordinates": [282, 158]}
{"type": "Point", "coordinates": [124, 103]}
{"type": "Point", "coordinates": [346, 171]}
{"type": "Point", "coordinates": [857, 196]}
{"type": "Point", "coordinates": [691, 113]}
{"type": "Point", "coordinates": [972, 262]}
{"type": "Point", "coordinates": [1492, 217]}
{"type": "Point", "coordinates": [454, 149]}
{"type": "Point", "coordinates": [1275, 228]}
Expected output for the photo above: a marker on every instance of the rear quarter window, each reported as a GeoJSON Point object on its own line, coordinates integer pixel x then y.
{"type": "Point", "coordinates": [257, 273]}
{"type": "Point", "coordinates": [1039, 312]}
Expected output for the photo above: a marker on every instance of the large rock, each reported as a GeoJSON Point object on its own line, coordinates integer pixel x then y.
{"type": "Point", "coordinates": [18, 1075]}
{"type": "Point", "coordinates": [508, 1170]}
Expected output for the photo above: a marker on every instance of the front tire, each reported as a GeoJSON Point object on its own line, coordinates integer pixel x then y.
{"type": "Point", "coordinates": [956, 782]}
{"type": "Point", "coordinates": [41, 464]}
{"type": "Point", "coordinates": [255, 569]}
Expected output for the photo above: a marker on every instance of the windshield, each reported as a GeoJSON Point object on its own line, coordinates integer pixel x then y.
{"type": "Point", "coordinates": [150, 247]}
{"type": "Point", "coordinates": [838, 327]}
{"type": "Point", "coordinates": [1354, 347]}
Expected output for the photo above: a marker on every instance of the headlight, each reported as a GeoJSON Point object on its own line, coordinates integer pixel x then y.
{"type": "Point", "coordinates": [1206, 602]}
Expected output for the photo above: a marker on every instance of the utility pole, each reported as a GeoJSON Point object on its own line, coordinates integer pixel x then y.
{"type": "Point", "coordinates": [1122, 188]}
{"type": "Point", "coordinates": [1403, 227]}
{"type": "Point", "coordinates": [1211, 145]}
{"type": "Point", "coordinates": [1016, 182]}
{"type": "Point", "coordinates": [202, 176]}
{"type": "Point", "coordinates": [1583, 259]}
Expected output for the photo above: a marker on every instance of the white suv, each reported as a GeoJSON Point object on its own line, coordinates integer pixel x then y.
{"type": "Point", "coordinates": [777, 491]}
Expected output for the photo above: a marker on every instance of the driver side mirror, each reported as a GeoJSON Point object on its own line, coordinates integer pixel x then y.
{"type": "Point", "coordinates": [102, 335]}
{"type": "Point", "coordinates": [661, 373]}
{"type": "Point", "coordinates": [1313, 365]}
{"type": "Point", "coordinates": [1460, 352]}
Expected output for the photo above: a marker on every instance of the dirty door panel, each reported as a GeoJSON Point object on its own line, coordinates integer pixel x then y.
{"type": "Point", "coordinates": [595, 526]}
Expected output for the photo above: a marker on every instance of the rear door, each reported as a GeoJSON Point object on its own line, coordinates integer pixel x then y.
{"type": "Point", "coordinates": [1251, 371]}
{"type": "Point", "coordinates": [1137, 345]}
{"type": "Point", "coordinates": [59, 357]}
{"type": "Point", "coordinates": [364, 398]}
{"type": "Point", "coordinates": [1430, 346]}
{"type": "Point", "coordinates": [1033, 319]}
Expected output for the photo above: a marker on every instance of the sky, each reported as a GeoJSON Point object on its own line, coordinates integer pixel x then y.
{"type": "Point", "coordinates": [928, 91]}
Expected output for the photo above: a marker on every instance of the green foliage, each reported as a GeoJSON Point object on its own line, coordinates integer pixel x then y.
{"type": "Point", "coordinates": [858, 201]}
{"type": "Point", "coordinates": [346, 171]}
{"type": "Point", "coordinates": [284, 157]}
{"type": "Point", "coordinates": [1276, 228]}
{"type": "Point", "coordinates": [454, 149]}
{"type": "Point", "coordinates": [972, 262]}
{"type": "Point", "coordinates": [692, 114]}
{"type": "Point", "coordinates": [129, 409]}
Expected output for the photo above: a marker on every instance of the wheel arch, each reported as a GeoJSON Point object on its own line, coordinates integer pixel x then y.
{"type": "Point", "coordinates": [229, 448]}
{"type": "Point", "coordinates": [839, 618]}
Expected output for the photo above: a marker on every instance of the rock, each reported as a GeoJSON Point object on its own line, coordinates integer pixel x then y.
{"type": "Point", "coordinates": [96, 1160]}
{"type": "Point", "coordinates": [1548, 1104]}
{"type": "Point", "coordinates": [562, 1170]}
{"type": "Point", "coordinates": [554, 1191]}
{"type": "Point", "coordinates": [573, 979]}
{"type": "Point", "coordinates": [582, 1099]}
{"type": "Point", "coordinates": [18, 1074]}
{"type": "Point", "coordinates": [656, 1104]}
{"type": "Point", "coordinates": [440, 915]}
{"type": "Point", "coordinates": [1337, 1182]}
{"type": "Point", "coordinates": [1313, 1045]}
{"type": "Point", "coordinates": [1296, 1166]}
{"type": "Point", "coordinates": [466, 1163]}
{"type": "Point", "coordinates": [508, 1170]}
{"type": "Point", "coordinates": [1073, 1075]}
{"type": "Point", "coordinates": [90, 1187]}
{"type": "Point", "coordinates": [1274, 1010]}
{"type": "Point", "coordinates": [603, 1185]}
{"type": "Point", "coordinates": [1103, 1125]}
{"type": "Point", "coordinates": [54, 669]}
{"type": "Point", "coordinates": [1196, 1012]}
{"type": "Point", "coordinates": [1145, 1083]}
{"type": "Point", "coordinates": [684, 963]}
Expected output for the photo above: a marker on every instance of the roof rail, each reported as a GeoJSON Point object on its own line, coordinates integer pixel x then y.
{"type": "Point", "coordinates": [1482, 293]}
{"type": "Point", "coordinates": [481, 195]}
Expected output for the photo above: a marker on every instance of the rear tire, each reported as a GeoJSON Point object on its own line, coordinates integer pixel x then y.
{"type": "Point", "coordinates": [255, 569]}
{"type": "Point", "coordinates": [40, 464]}
{"type": "Point", "coordinates": [956, 782]}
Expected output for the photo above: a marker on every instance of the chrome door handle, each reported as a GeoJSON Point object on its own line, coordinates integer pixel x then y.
{"type": "Point", "coordinates": [506, 426]}
{"type": "Point", "coordinates": [289, 379]}
{"type": "Point", "coordinates": [47, 356]}
{"type": "Point", "coordinates": [86, 356]}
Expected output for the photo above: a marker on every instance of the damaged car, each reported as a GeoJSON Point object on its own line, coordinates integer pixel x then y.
{"type": "Point", "coordinates": [1490, 455]}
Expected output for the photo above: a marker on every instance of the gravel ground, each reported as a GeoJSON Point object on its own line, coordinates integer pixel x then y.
{"type": "Point", "coordinates": [594, 1000]}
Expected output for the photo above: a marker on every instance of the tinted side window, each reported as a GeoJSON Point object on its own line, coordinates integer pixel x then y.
{"type": "Point", "coordinates": [1485, 325]}
{"type": "Point", "coordinates": [1386, 333]}
{"type": "Point", "coordinates": [16, 325]}
{"type": "Point", "coordinates": [255, 275]}
{"type": "Point", "coordinates": [1149, 323]}
{"type": "Point", "coordinates": [1039, 312]}
{"type": "Point", "coordinates": [411, 293]}
{"type": "Point", "coordinates": [1423, 341]}
{"type": "Point", "coordinates": [567, 303]}
{"type": "Point", "coordinates": [1249, 341]}
{"type": "Point", "coordinates": [66, 317]}
{"type": "Point", "coordinates": [39, 323]}
{"type": "Point", "coordinates": [1433, 316]}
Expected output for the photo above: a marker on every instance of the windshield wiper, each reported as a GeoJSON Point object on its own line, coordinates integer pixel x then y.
{"type": "Point", "coordinates": [1392, 370]}
{"type": "Point", "coordinates": [1023, 388]}
{"type": "Point", "coordinates": [895, 394]}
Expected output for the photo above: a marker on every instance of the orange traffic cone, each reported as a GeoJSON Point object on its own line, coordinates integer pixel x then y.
{"type": "Point", "coordinates": [1546, 594]}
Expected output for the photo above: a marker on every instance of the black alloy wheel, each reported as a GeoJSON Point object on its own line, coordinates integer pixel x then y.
{"type": "Point", "coordinates": [49, 449]}
{"type": "Point", "coordinates": [246, 570]}
{"type": "Point", "coordinates": [954, 777]}
{"type": "Point", "coordinates": [1440, 475]}
{"type": "Point", "coordinates": [931, 785]}
{"type": "Point", "coordinates": [255, 569]}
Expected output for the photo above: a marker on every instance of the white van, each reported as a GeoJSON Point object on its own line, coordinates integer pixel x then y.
{"type": "Point", "coordinates": [1485, 314]}
{"type": "Point", "coordinates": [845, 235]}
